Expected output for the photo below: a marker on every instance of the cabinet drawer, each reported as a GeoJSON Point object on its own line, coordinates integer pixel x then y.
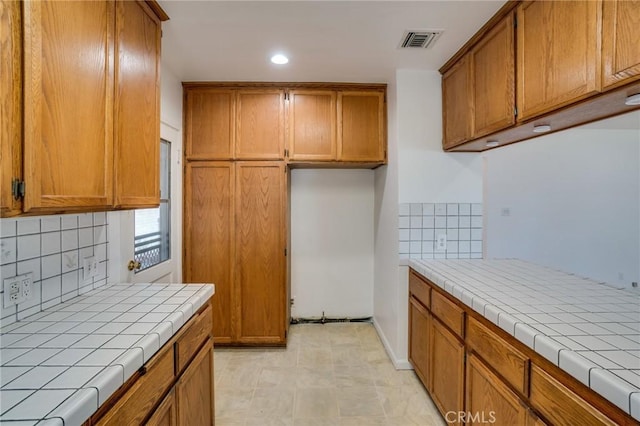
{"type": "Point", "coordinates": [145, 393]}
{"type": "Point", "coordinates": [512, 364]}
{"type": "Point", "coordinates": [448, 313]}
{"type": "Point", "coordinates": [188, 343]}
{"type": "Point", "coordinates": [419, 289]}
{"type": "Point", "coordinates": [559, 404]}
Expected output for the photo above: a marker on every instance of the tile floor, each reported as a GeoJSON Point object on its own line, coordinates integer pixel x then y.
{"type": "Point", "coordinates": [329, 375]}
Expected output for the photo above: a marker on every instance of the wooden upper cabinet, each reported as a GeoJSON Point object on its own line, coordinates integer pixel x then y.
{"type": "Point", "coordinates": [362, 126]}
{"type": "Point", "coordinates": [558, 54]}
{"type": "Point", "coordinates": [10, 103]}
{"type": "Point", "coordinates": [137, 106]}
{"type": "Point", "coordinates": [260, 124]}
{"type": "Point", "coordinates": [457, 104]}
{"type": "Point", "coordinates": [260, 232]}
{"type": "Point", "coordinates": [493, 71]}
{"type": "Point", "coordinates": [209, 123]}
{"type": "Point", "coordinates": [312, 125]}
{"type": "Point", "coordinates": [68, 105]}
{"type": "Point", "coordinates": [620, 42]}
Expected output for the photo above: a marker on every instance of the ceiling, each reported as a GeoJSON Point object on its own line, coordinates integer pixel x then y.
{"type": "Point", "coordinates": [332, 41]}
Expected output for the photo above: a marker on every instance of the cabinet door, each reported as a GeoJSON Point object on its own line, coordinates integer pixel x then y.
{"type": "Point", "coordinates": [260, 251]}
{"type": "Point", "coordinates": [68, 98]}
{"type": "Point", "coordinates": [137, 106]}
{"type": "Point", "coordinates": [620, 41]}
{"type": "Point", "coordinates": [489, 399]}
{"type": "Point", "coordinates": [10, 105]}
{"type": "Point", "coordinates": [447, 369]}
{"type": "Point", "coordinates": [493, 64]}
{"type": "Point", "coordinates": [419, 340]}
{"type": "Point", "coordinates": [209, 118]}
{"type": "Point", "coordinates": [312, 125]}
{"type": "Point", "coordinates": [194, 390]}
{"type": "Point", "coordinates": [361, 126]}
{"type": "Point", "coordinates": [260, 124]}
{"type": "Point", "coordinates": [558, 56]}
{"type": "Point", "coordinates": [209, 238]}
{"type": "Point", "coordinates": [165, 414]}
{"type": "Point", "coordinates": [457, 104]}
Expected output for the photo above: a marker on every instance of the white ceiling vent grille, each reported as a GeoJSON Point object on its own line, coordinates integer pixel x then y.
{"type": "Point", "coordinates": [421, 39]}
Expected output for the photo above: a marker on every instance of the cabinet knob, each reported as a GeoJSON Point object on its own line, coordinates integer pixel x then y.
{"type": "Point", "coordinates": [134, 264]}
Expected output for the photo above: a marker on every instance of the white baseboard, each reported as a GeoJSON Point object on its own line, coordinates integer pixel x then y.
{"type": "Point", "coordinates": [400, 364]}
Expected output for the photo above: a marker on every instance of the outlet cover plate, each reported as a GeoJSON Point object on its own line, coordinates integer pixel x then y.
{"type": "Point", "coordinates": [17, 289]}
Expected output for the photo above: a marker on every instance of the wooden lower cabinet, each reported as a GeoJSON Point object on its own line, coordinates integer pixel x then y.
{"type": "Point", "coordinates": [235, 236]}
{"type": "Point", "coordinates": [489, 400]}
{"type": "Point", "coordinates": [419, 322]}
{"type": "Point", "coordinates": [165, 414]}
{"type": "Point", "coordinates": [447, 369]}
{"type": "Point", "coordinates": [167, 392]}
{"type": "Point", "coordinates": [194, 390]}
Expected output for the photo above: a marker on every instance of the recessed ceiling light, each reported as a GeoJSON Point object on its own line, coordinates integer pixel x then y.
{"type": "Point", "coordinates": [492, 144]}
{"type": "Point", "coordinates": [541, 128]}
{"type": "Point", "coordinates": [279, 59]}
{"type": "Point", "coordinates": [633, 100]}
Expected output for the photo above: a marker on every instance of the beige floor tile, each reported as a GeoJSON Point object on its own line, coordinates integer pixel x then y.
{"type": "Point", "coordinates": [268, 422]}
{"type": "Point", "coordinates": [229, 421]}
{"type": "Point", "coordinates": [363, 421]}
{"type": "Point", "coordinates": [335, 421]}
{"type": "Point", "coordinates": [352, 375]}
{"type": "Point", "coordinates": [415, 421]}
{"type": "Point", "coordinates": [359, 401]}
{"type": "Point", "coordinates": [239, 376]}
{"type": "Point", "coordinates": [316, 403]}
{"type": "Point", "coordinates": [281, 358]}
{"type": "Point", "coordinates": [400, 401]}
{"type": "Point", "coordinates": [277, 378]}
{"type": "Point", "coordinates": [347, 354]}
{"type": "Point", "coordinates": [315, 377]}
{"type": "Point", "coordinates": [272, 403]}
{"type": "Point", "coordinates": [312, 356]}
{"type": "Point", "coordinates": [233, 402]}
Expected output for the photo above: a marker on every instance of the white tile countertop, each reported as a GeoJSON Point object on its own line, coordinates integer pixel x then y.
{"type": "Point", "coordinates": [58, 366]}
{"type": "Point", "coordinates": [588, 329]}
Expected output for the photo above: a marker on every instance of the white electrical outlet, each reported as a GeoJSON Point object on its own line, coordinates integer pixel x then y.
{"type": "Point", "coordinates": [441, 242]}
{"type": "Point", "coordinates": [17, 289]}
{"type": "Point", "coordinates": [89, 267]}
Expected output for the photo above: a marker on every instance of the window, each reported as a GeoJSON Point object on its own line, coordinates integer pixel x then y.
{"type": "Point", "coordinates": [152, 226]}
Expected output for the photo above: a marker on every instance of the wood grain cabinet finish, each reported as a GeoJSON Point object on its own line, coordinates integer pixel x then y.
{"type": "Point", "coordinates": [493, 79]}
{"type": "Point", "coordinates": [558, 54]}
{"type": "Point", "coordinates": [260, 124]}
{"type": "Point", "coordinates": [489, 400]}
{"type": "Point", "coordinates": [169, 390]}
{"type": "Point", "coordinates": [165, 414]}
{"type": "Point", "coordinates": [512, 364]}
{"type": "Point", "coordinates": [137, 106]}
{"type": "Point", "coordinates": [10, 105]}
{"type": "Point", "coordinates": [68, 104]}
{"type": "Point", "coordinates": [559, 404]}
{"type": "Point", "coordinates": [447, 362]}
{"type": "Point", "coordinates": [209, 120]}
{"type": "Point", "coordinates": [194, 390]}
{"type": "Point", "coordinates": [620, 41]}
{"type": "Point", "coordinates": [419, 332]}
{"type": "Point", "coordinates": [88, 123]}
{"type": "Point", "coordinates": [457, 104]}
{"type": "Point", "coordinates": [448, 313]}
{"type": "Point", "coordinates": [362, 126]}
{"type": "Point", "coordinates": [209, 238]}
{"type": "Point", "coordinates": [234, 228]}
{"type": "Point", "coordinates": [260, 233]}
{"type": "Point", "coordinates": [312, 125]}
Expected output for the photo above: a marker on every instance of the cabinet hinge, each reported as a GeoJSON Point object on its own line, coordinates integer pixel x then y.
{"type": "Point", "coordinates": [515, 22]}
{"type": "Point", "coordinates": [286, 152]}
{"type": "Point", "coordinates": [285, 251]}
{"type": "Point", "coordinates": [286, 96]}
{"type": "Point", "coordinates": [515, 112]}
{"type": "Point", "coordinates": [17, 188]}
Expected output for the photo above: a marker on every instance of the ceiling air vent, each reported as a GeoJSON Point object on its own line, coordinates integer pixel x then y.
{"type": "Point", "coordinates": [419, 38]}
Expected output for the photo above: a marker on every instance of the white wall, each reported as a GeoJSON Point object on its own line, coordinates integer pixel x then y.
{"type": "Point", "coordinates": [573, 200]}
{"type": "Point", "coordinates": [418, 171]}
{"type": "Point", "coordinates": [332, 243]}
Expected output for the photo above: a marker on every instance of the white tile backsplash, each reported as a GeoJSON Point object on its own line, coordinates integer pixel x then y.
{"type": "Point", "coordinates": [422, 223]}
{"type": "Point", "coordinates": [52, 249]}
